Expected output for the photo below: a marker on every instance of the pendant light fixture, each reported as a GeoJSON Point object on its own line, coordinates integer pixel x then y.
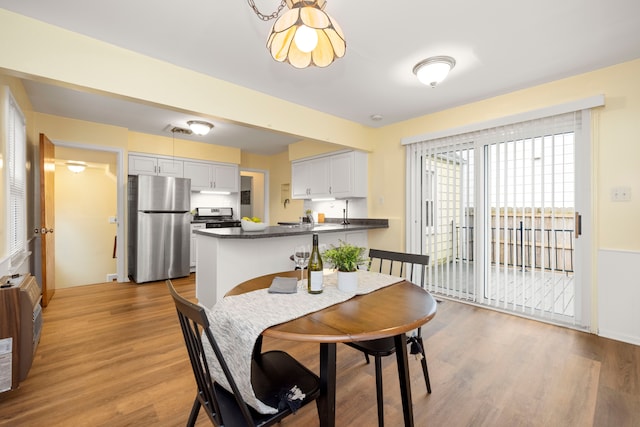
{"type": "Point", "coordinates": [433, 70]}
{"type": "Point", "coordinates": [305, 35]}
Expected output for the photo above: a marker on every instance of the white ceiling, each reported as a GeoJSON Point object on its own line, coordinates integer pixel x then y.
{"type": "Point", "coordinates": [499, 45]}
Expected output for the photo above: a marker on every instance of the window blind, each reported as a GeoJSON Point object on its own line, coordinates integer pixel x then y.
{"type": "Point", "coordinates": [495, 209]}
{"type": "Point", "coordinates": [16, 177]}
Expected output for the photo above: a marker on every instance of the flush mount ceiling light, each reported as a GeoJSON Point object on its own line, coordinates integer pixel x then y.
{"type": "Point", "coordinates": [305, 35]}
{"type": "Point", "coordinates": [433, 70]}
{"type": "Point", "coordinates": [199, 127]}
{"type": "Point", "coordinates": [76, 167]}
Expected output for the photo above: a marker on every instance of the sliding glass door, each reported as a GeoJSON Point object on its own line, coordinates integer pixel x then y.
{"type": "Point", "coordinates": [498, 214]}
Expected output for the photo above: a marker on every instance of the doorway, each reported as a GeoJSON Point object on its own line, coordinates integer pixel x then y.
{"type": "Point", "coordinates": [254, 194]}
{"type": "Point", "coordinates": [89, 213]}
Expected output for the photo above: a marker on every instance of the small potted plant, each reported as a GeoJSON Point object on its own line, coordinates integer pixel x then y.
{"type": "Point", "coordinates": [346, 258]}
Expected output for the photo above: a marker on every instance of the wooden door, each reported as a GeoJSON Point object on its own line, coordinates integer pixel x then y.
{"type": "Point", "coordinates": [47, 221]}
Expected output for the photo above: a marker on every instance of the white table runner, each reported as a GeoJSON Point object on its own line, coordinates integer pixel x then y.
{"type": "Point", "coordinates": [237, 322]}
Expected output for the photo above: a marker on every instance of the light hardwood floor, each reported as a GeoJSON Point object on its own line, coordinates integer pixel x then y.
{"type": "Point", "coordinates": [113, 355]}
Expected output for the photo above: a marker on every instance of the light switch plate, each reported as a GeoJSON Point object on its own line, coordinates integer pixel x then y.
{"type": "Point", "coordinates": [621, 194]}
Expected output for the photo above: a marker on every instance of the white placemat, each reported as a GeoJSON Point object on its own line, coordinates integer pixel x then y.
{"type": "Point", "coordinates": [237, 321]}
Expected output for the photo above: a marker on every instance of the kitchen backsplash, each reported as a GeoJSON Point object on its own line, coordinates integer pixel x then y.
{"type": "Point", "coordinates": [333, 209]}
{"type": "Point", "coordinates": [330, 209]}
{"type": "Point", "coordinates": [199, 200]}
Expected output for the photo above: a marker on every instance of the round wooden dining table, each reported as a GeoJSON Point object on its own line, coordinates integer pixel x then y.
{"type": "Point", "coordinates": [390, 311]}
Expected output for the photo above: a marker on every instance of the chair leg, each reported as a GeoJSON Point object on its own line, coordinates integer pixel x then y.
{"type": "Point", "coordinates": [195, 410]}
{"type": "Point", "coordinates": [366, 357]}
{"type": "Point", "coordinates": [379, 397]}
{"type": "Point", "coordinates": [425, 369]}
{"type": "Point", "coordinates": [257, 348]}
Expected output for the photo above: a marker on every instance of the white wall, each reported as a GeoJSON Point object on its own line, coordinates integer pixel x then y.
{"type": "Point", "coordinates": [84, 238]}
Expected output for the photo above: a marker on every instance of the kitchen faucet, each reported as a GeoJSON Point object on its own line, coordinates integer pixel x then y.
{"type": "Point", "coordinates": [345, 213]}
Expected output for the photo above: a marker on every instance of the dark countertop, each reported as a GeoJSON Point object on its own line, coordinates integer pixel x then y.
{"type": "Point", "coordinates": [284, 231]}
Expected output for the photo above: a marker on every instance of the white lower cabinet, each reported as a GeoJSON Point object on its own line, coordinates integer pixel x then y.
{"type": "Point", "coordinates": [193, 255]}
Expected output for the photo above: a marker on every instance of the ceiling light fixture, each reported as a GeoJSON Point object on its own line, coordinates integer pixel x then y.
{"type": "Point", "coordinates": [305, 35]}
{"type": "Point", "coordinates": [75, 166]}
{"type": "Point", "coordinates": [199, 127]}
{"type": "Point", "coordinates": [433, 70]}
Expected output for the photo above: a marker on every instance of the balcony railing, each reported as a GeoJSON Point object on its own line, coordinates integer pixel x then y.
{"type": "Point", "coordinates": [522, 247]}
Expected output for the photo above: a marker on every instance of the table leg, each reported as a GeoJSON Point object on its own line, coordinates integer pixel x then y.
{"type": "Point", "coordinates": [403, 377]}
{"type": "Point", "coordinates": [327, 399]}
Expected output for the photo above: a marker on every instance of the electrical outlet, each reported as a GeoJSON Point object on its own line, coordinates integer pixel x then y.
{"type": "Point", "coordinates": [112, 277]}
{"type": "Point", "coordinates": [621, 194]}
{"type": "Point", "coordinates": [113, 220]}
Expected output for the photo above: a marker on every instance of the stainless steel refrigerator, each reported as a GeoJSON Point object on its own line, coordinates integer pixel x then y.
{"type": "Point", "coordinates": [159, 227]}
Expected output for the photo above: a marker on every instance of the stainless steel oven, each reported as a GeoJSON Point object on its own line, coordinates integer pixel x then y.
{"type": "Point", "coordinates": [221, 217]}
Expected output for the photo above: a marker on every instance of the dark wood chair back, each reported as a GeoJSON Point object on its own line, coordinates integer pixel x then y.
{"type": "Point", "coordinates": [193, 321]}
{"type": "Point", "coordinates": [271, 373]}
{"type": "Point", "coordinates": [409, 266]}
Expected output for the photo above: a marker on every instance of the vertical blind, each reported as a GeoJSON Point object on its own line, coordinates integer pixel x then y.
{"type": "Point", "coordinates": [495, 210]}
{"type": "Point", "coordinates": [16, 169]}
{"type": "Point", "coordinates": [441, 188]}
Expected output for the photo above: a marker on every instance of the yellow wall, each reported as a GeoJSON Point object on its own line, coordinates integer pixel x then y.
{"type": "Point", "coordinates": [43, 51]}
{"type": "Point", "coordinates": [168, 146]}
{"type": "Point", "coordinates": [302, 149]}
{"type": "Point", "coordinates": [616, 153]}
{"type": "Point", "coordinates": [280, 171]}
{"type": "Point", "coordinates": [84, 237]}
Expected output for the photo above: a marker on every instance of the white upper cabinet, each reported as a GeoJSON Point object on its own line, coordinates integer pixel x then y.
{"type": "Point", "coordinates": [151, 165]}
{"type": "Point", "coordinates": [226, 177]}
{"type": "Point", "coordinates": [340, 175]}
{"type": "Point", "coordinates": [310, 178]}
{"type": "Point", "coordinates": [348, 175]}
{"type": "Point", "coordinates": [200, 175]}
{"type": "Point", "coordinates": [210, 176]}
{"type": "Point", "coordinates": [300, 178]}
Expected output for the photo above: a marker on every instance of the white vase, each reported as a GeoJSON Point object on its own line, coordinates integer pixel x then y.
{"type": "Point", "coordinates": [348, 281]}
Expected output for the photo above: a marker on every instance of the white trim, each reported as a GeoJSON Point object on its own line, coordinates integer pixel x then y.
{"type": "Point", "coordinates": [583, 256]}
{"type": "Point", "coordinates": [568, 107]}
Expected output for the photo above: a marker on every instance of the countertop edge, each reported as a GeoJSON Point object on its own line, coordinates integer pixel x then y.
{"type": "Point", "coordinates": [285, 231]}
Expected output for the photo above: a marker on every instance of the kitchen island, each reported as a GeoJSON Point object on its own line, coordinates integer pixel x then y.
{"type": "Point", "coordinates": [228, 256]}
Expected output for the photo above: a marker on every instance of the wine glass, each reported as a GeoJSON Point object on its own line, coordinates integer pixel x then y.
{"type": "Point", "coordinates": [301, 258]}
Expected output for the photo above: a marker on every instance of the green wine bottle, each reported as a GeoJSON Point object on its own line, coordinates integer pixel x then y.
{"type": "Point", "coordinates": [314, 269]}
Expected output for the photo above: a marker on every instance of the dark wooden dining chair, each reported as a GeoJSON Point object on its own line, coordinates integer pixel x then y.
{"type": "Point", "coordinates": [410, 267]}
{"type": "Point", "coordinates": [272, 373]}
